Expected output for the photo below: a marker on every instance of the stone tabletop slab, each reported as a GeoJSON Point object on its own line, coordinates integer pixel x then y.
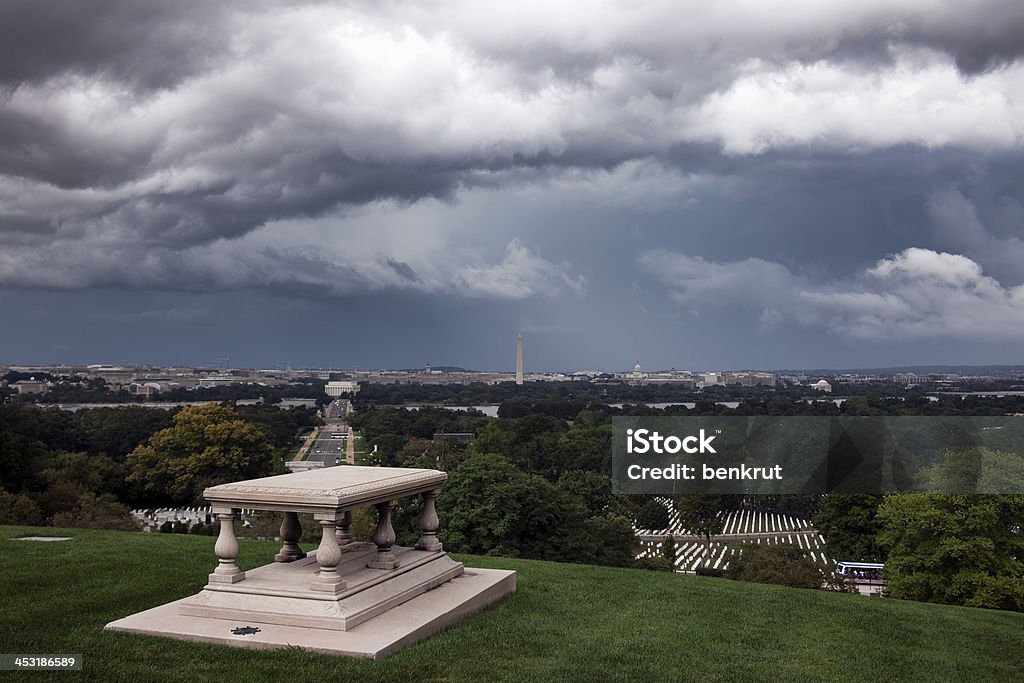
{"type": "Point", "coordinates": [342, 487]}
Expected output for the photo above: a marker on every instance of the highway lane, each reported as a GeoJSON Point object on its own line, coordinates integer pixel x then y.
{"type": "Point", "coordinates": [329, 447]}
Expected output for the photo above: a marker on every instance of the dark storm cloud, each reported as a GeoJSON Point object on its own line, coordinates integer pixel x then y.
{"type": "Point", "coordinates": [144, 144]}
{"type": "Point", "coordinates": [996, 37]}
{"type": "Point", "coordinates": [146, 44]}
{"type": "Point", "coordinates": [979, 39]}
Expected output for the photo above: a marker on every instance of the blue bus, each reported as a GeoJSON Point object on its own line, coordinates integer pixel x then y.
{"type": "Point", "coordinates": [866, 577]}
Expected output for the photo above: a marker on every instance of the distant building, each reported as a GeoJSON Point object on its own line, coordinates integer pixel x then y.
{"type": "Point", "coordinates": [638, 372]}
{"type": "Point", "coordinates": [148, 388]}
{"type": "Point", "coordinates": [822, 385]}
{"type": "Point", "coordinates": [749, 378]}
{"type": "Point", "coordinates": [338, 387]}
{"type": "Point", "coordinates": [221, 380]}
{"type": "Point", "coordinates": [682, 379]}
{"type": "Point", "coordinates": [289, 403]}
{"type": "Point", "coordinates": [31, 386]}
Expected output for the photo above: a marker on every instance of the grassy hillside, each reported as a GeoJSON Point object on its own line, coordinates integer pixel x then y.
{"type": "Point", "coordinates": [566, 622]}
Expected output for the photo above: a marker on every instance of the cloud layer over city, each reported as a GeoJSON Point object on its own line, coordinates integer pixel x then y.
{"type": "Point", "coordinates": [800, 175]}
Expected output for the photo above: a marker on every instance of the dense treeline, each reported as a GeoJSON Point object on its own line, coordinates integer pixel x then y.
{"type": "Point", "coordinates": [536, 483]}
{"type": "Point", "coordinates": [586, 392]}
{"type": "Point", "coordinates": [80, 390]}
{"type": "Point", "coordinates": [76, 469]}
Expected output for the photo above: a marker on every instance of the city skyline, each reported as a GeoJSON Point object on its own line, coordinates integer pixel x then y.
{"type": "Point", "coordinates": [731, 186]}
{"type": "Point", "coordinates": [966, 370]}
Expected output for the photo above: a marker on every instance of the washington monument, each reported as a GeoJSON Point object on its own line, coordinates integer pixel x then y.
{"type": "Point", "coordinates": [519, 359]}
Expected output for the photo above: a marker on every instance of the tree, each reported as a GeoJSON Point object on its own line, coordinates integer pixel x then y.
{"type": "Point", "coordinates": [208, 445]}
{"type": "Point", "coordinates": [778, 564]}
{"type": "Point", "coordinates": [490, 507]}
{"type": "Point", "coordinates": [654, 564]}
{"type": "Point", "coordinates": [850, 525]}
{"type": "Point", "coordinates": [594, 489]}
{"type": "Point", "coordinates": [69, 476]}
{"type": "Point", "coordinates": [668, 549]}
{"type": "Point", "coordinates": [961, 550]}
{"type": "Point", "coordinates": [615, 544]}
{"type": "Point", "coordinates": [19, 509]}
{"type": "Point", "coordinates": [117, 431]}
{"type": "Point", "coordinates": [698, 514]}
{"type": "Point", "coordinates": [652, 514]}
{"type": "Point", "coordinates": [974, 469]}
{"type": "Point", "coordinates": [96, 512]}
{"type": "Point", "coordinates": [22, 446]}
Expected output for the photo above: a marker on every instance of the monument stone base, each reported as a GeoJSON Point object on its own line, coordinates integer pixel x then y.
{"type": "Point", "coordinates": [378, 612]}
{"type": "Point", "coordinates": [352, 598]}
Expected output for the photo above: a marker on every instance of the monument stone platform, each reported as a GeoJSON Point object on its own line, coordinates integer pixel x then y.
{"type": "Point", "coordinates": [347, 597]}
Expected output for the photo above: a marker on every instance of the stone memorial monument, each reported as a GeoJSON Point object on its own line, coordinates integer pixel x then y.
{"type": "Point", "coordinates": [346, 597]}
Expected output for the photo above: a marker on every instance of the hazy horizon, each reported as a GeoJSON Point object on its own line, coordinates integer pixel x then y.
{"type": "Point", "coordinates": [933, 367]}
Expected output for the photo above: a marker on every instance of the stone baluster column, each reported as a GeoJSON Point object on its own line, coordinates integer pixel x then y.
{"type": "Point", "coordinates": [226, 549]}
{"type": "Point", "coordinates": [328, 555]}
{"type": "Point", "coordinates": [429, 523]}
{"type": "Point", "coordinates": [384, 537]}
{"type": "Point", "coordinates": [344, 535]}
{"type": "Point", "coordinates": [291, 532]}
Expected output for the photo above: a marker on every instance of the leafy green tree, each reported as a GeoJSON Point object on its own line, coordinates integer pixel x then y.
{"type": "Point", "coordinates": [96, 512]}
{"type": "Point", "coordinates": [699, 514]}
{"type": "Point", "coordinates": [654, 564]}
{"type": "Point", "coordinates": [117, 431]}
{"type": "Point", "coordinates": [207, 445]}
{"type": "Point", "coordinates": [778, 564]}
{"type": "Point", "coordinates": [955, 549]}
{"type": "Point", "coordinates": [24, 431]}
{"type": "Point", "coordinates": [615, 543]}
{"type": "Point", "coordinates": [69, 476]}
{"type": "Point", "coordinates": [668, 548]}
{"type": "Point", "coordinates": [652, 515]}
{"type": "Point", "coordinates": [975, 469]}
{"type": "Point", "coordinates": [17, 508]}
{"type": "Point", "coordinates": [280, 426]}
{"type": "Point", "coordinates": [490, 507]}
{"type": "Point", "coordinates": [587, 448]}
{"type": "Point", "coordinates": [594, 489]}
{"type": "Point", "coordinates": [849, 524]}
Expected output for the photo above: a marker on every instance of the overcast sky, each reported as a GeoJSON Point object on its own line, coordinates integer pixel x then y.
{"type": "Point", "coordinates": [737, 184]}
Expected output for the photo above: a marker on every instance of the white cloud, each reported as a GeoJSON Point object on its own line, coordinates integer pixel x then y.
{"type": "Point", "coordinates": [519, 275]}
{"type": "Point", "coordinates": [921, 99]}
{"type": "Point", "coordinates": [917, 294]}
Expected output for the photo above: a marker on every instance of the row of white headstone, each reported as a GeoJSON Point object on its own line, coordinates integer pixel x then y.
{"type": "Point", "coordinates": [689, 555]}
{"type": "Point", "coordinates": [736, 522]}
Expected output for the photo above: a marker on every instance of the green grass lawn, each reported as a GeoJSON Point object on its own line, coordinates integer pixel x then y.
{"type": "Point", "coordinates": [566, 622]}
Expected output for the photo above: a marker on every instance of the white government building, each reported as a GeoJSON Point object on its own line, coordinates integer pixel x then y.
{"type": "Point", "coordinates": [338, 387]}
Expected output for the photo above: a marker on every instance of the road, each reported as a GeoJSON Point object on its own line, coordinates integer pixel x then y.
{"type": "Point", "coordinates": [329, 447]}
{"type": "Point", "coordinates": [339, 408]}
